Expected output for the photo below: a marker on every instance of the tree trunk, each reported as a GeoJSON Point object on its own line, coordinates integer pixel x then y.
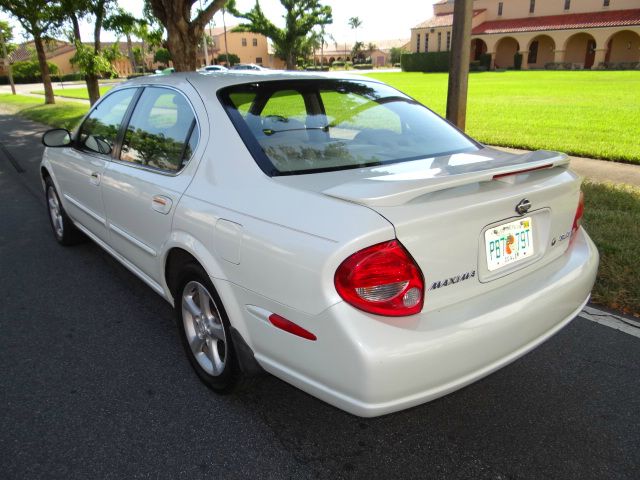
{"type": "Point", "coordinates": [291, 61]}
{"type": "Point", "coordinates": [132, 57]}
{"type": "Point", "coordinates": [44, 69]}
{"type": "Point", "coordinates": [93, 88]}
{"type": "Point", "coordinates": [183, 46]}
{"type": "Point", "coordinates": [7, 64]}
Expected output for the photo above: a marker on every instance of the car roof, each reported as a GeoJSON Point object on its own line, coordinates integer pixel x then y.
{"type": "Point", "coordinates": [211, 81]}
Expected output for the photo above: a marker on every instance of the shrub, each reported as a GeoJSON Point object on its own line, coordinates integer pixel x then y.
{"type": "Point", "coordinates": [338, 63]}
{"type": "Point", "coordinates": [517, 61]}
{"type": "Point", "coordinates": [70, 77]}
{"type": "Point", "coordinates": [233, 59]}
{"type": "Point", "coordinates": [425, 62]}
{"type": "Point", "coordinates": [485, 60]}
{"type": "Point", "coordinates": [363, 66]}
{"type": "Point", "coordinates": [136, 75]}
{"type": "Point", "coordinates": [28, 71]}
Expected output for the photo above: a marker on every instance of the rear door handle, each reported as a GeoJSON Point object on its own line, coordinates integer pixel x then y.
{"type": "Point", "coordinates": [94, 178]}
{"type": "Point", "coordinates": [161, 204]}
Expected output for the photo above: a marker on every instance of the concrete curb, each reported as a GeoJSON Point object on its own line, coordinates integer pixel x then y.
{"type": "Point", "coordinates": [611, 320]}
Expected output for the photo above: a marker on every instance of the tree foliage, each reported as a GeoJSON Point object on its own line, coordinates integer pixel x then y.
{"type": "Point", "coordinates": [38, 18]}
{"type": "Point", "coordinates": [163, 56]}
{"type": "Point", "coordinates": [183, 32]}
{"type": "Point", "coordinates": [232, 60]}
{"type": "Point", "coordinates": [301, 17]}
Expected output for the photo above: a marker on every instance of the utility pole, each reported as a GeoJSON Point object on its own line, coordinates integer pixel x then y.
{"type": "Point", "coordinates": [459, 64]}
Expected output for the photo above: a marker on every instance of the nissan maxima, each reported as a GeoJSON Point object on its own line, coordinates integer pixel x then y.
{"type": "Point", "coordinates": [329, 230]}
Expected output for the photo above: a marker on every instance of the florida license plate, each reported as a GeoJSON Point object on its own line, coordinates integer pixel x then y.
{"type": "Point", "coordinates": [509, 243]}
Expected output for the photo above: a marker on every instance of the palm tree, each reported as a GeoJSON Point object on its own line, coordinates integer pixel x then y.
{"type": "Point", "coordinates": [355, 23]}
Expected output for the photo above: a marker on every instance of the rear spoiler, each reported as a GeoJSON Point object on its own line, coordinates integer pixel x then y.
{"type": "Point", "coordinates": [398, 189]}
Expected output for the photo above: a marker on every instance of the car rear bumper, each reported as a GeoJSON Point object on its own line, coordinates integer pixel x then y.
{"type": "Point", "coordinates": [371, 366]}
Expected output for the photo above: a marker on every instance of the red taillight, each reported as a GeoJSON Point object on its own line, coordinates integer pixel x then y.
{"type": "Point", "coordinates": [579, 211]}
{"type": "Point", "coordinates": [381, 279]}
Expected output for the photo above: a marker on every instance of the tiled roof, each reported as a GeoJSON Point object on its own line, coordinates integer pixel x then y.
{"type": "Point", "coordinates": [443, 20]}
{"type": "Point", "coordinates": [27, 50]}
{"type": "Point", "coordinates": [614, 18]}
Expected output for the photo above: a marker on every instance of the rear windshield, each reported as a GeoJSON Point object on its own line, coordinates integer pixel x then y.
{"type": "Point", "coordinates": [307, 126]}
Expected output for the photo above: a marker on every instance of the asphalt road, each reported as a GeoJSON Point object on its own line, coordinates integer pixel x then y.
{"type": "Point", "coordinates": [94, 384]}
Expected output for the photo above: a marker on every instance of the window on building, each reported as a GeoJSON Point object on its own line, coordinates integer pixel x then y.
{"type": "Point", "coordinates": [567, 4]}
{"type": "Point", "coordinates": [259, 60]}
{"type": "Point", "coordinates": [244, 42]}
{"type": "Point", "coordinates": [533, 52]}
{"type": "Point", "coordinates": [606, 3]}
{"type": "Point", "coordinates": [418, 42]}
{"type": "Point", "coordinates": [254, 42]}
{"type": "Point", "coordinates": [499, 9]}
{"type": "Point", "coordinates": [426, 42]}
{"type": "Point", "coordinates": [532, 6]}
{"type": "Point", "coordinates": [439, 41]}
{"type": "Point", "coordinates": [448, 41]}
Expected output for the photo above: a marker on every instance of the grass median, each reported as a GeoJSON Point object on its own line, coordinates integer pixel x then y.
{"type": "Point", "coordinates": [61, 114]}
{"type": "Point", "coordinates": [585, 113]}
{"type": "Point", "coordinates": [612, 214]}
{"type": "Point", "coordinates": [80, 92]}
{"type": "Point", "coordinates": [612, 219]}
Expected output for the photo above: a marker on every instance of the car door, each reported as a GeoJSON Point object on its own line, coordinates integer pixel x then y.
{"type": "Point", "coordinates": [79, 168]}
{"type": "Point", "coordinates": [143, 185]}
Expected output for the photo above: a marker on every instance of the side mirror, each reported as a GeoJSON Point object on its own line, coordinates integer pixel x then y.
{"type": "Point", "coordinates": [57, 137]}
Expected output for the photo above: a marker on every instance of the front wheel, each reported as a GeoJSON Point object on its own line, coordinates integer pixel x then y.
{"type": "Point", "coordinates": [205, 330]}
{"type": "Point", "coordinates": [63, 228]}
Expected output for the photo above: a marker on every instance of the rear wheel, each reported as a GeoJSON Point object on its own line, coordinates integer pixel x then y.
{"type": "Point", "coordinates": [205, 330]}
{"type": "Point", "coordinates": [63, 228]}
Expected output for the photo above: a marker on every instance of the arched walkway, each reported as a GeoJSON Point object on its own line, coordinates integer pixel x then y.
{"type": "Point", "coordinates": [580, 48]}
{"type": "Point", "coordinates": [541, 51]}
{"type": "Point", "coordinates": [623, 46]}
{"type": "Point", "coordinates": [478, 48]}
{"type": "Point", "coordinates": [505, 52]}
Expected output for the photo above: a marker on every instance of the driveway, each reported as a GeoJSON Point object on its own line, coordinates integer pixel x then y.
{"type": "Point", "coordinates": [94, 384]}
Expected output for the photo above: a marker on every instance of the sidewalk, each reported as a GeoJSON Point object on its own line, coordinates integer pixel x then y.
{"type": "Point", "coordinates": [597, 170]}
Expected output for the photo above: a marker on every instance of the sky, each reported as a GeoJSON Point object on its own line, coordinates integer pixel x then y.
{"type": "Point", "coordinates": [388, 21]}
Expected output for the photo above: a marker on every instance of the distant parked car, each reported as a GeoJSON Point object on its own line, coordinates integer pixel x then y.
{"type": "Point", "coordinates": [247, 66]}
{"type": "Point", "coordinates": [213, 68]}
{"type": "Point", "coordinates": [330, 230]}
{"type": "Point", "coordinates": [165, 71]}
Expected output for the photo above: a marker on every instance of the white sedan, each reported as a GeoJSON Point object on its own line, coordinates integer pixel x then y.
{"type": "Point", "coordinates": [327, 229]}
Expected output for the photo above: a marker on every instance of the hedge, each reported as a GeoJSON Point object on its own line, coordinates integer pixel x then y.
{"type": "Point", "coordinates": [425, 62]}
{"type": "Point", "coordinates": [363, 66]}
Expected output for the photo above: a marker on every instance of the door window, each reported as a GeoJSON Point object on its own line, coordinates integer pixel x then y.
{"type": "Point", "coordinates": [162, 132]}
{"type": "Point", "coordinates": [99, 131]}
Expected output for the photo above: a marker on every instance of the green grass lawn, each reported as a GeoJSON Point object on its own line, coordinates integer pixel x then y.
{"type": "Point", "coordinates": [62, 114]}
{"type": "Point", "coordinates": [80, 92]}
{"type": "Point", "coordinates": [612, 219]}
{"type": "Point", "coordinates": [592, 114]}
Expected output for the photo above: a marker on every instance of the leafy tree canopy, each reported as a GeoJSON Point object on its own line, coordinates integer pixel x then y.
{"type": "Point", "coordinates": [301, 17]}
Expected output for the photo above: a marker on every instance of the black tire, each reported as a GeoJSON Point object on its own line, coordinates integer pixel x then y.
{"type": "Point", "coordinates": [65, 232]}
{"type": "Point", "coordinates": [230, 375]}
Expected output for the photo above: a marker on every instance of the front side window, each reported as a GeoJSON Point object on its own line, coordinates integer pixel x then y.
{"type": "Point", "coordinates": [244, 42]}
{"type": "Point", "coordinates": [439, 41]}
{"type": "Point", "coordinates": [254, 42]}
{"type": "Point", "coordinates": [417, 42]}
{"type": "Point", "coordinates": [99, 131]}
{"type": "Point", "coordinates": [448, 41]}
{"type": "Point", "coordinates": [500, 9]}
{"type": "Point", "coordinates": [532, 6]}
{"type": "Point", "coordinates": [160, 131]}
{"type": "Point", "coordinates": [567, 4]}
{"type": "Point", "coordinates": [307, 126]}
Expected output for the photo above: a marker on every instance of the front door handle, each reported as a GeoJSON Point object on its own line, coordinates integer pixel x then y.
{"type": "Point", "coordinates": [161, 204]}
{"type": "Point", "coordinates": [94, 178]}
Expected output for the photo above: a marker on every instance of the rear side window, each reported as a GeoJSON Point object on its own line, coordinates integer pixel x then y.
{"type": "Point", "coordinates": [306, 126]}
{"type": "Point", "coordinates": [160, 131]}
{"type": "Point", "coordinates": [99, 131]}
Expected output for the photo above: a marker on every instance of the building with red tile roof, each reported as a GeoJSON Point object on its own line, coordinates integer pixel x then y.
{"type": "Point", "coordinates": [578, 33]}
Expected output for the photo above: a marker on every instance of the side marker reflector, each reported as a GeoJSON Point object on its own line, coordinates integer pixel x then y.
{"type": "Point", "coordinates": [288, 326]}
